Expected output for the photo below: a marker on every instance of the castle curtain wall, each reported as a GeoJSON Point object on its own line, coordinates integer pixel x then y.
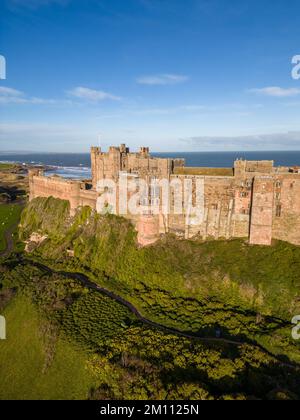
{"type": "Point", "coordinates": [259, 202]}
{"type": "Point", "coordinates": [286, 210]}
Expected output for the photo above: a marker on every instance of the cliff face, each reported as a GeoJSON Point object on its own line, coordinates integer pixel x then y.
{"type": "Point", "coordinates": [264, 279]}
{"type": "Point", "coordinates": [46, 215]}
{"type": "Point", "coordinates": [98, 242]}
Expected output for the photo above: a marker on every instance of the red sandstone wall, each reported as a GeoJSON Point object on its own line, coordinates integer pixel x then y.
{"type": "Point", "coordinates": [218, 213]}
{"type": "Point", "coordinates": [108, 165]}
{"type": "Point", "coordinates": [262, 211]}
{"type": "Point", "coordinates": [148, 230]}
{"type": "Point", "coordinates": [65, 190]}
{"type": "Point", "coordinates": [41, 186]}
{"type": "Point", "coordinates": [286, 226]}
{"type": "Point", "coordinates": [228, 200]}
{"type": "Point", "coordinates": [88, 198]}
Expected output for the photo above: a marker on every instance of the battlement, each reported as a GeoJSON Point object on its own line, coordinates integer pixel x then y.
{"type": "Point", "coordinates": [253, 200]}
{"type": "Point", "coordinates": [241, 167]}
{"type": "Point", "coordinates": [120, 159]}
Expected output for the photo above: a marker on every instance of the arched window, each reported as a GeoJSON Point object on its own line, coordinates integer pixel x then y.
{"type": "Point", "coordinates": [278, 210]}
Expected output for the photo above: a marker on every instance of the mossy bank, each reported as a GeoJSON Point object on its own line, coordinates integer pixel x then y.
{"type": "Point", "coordinates": [250, 291]}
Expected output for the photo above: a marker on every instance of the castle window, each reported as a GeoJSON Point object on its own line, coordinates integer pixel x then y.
{"type": "Point", "coordinates": [215, 206]}
{"type": "Point", "coordinates": [278, 210]}
{"type": "Point", "coordinates": [243, 211]}
{"type": "Point", "coordinates": [244, 194]}
{"type": "Point", "coordinates": [278, 184]}
{"type": "Point", "coordinates": [277, 196]}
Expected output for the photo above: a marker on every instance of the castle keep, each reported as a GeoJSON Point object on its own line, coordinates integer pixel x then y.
{"type": "Point", "coordinates": [254, 200]}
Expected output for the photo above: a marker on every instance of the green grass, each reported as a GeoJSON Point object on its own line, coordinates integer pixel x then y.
{"type": "Point", "coordinates": [5, 166]}
{"type": "Point", "coordinates": [93, 319]}
{"type": "Point", "coordinates": [204, 171]}
{"type": "Point", "coordinates": [23, 357]}
{"type": "Point", "coordinates": [263, 279]}
{"type": "Point", "coordinates": [116, 358]}
{"type": "Point", "coordinates": [9, 215]}
{"type": "Point", "coordinates": [186, 284]}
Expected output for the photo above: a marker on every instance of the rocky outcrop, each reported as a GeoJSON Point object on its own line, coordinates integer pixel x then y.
{"type": "Point", "coordinates": [34, 241]}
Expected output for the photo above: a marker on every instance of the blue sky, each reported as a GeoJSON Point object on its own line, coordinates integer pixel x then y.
{"type": "Point", "coordinates": [170, 74]}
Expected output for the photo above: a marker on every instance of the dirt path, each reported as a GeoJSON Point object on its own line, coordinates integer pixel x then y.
{"type": "Point", "coordinates": [9, 240]}
{"type": "Point", "coordinates": [93, 286]}
{"type": "Point", "coordinates": [8, 236]}
{"type": "Point", "coordinates": [193, 336]}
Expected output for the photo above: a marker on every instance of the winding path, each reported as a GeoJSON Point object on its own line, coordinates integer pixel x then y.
{"type": "Point", "coordinates": [193, 336]}
{"type": "Point", "coordinates": [8, 235]}
{"type": "Point", "coordinates": [9, 241]}
{"type": "Point", "coordinates": [93, 286]}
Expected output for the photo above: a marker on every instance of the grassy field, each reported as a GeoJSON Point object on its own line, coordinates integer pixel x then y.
{"type": "Point", "coordinates": [190, 285]}
{"type": "Point", "coordinates": [261, 279]}
{"type": "Point", "coordinates": [25, 370]}
{"type": "Point", "coordinates": [5, 166]}
{"type": "Point", "coordinates": [204, 171]}
{"type": "Point", "coordinates": [9, 215]}
{"type": "Point", "coordinates": [115, 357]}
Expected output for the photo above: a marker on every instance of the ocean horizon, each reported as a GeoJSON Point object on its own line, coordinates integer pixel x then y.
{"type": "Point", "coordinates": [78, 165]}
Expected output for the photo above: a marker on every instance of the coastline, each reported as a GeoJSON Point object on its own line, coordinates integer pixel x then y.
{"type": "Point", "coordinates": [78, 165]}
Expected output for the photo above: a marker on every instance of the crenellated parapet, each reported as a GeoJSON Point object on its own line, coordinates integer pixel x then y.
{"type": "Point", "coordinates": [253, 200]}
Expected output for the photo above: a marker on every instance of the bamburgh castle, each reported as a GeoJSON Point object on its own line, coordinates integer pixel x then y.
{"type": "Point", "coordinates": [253, 200]}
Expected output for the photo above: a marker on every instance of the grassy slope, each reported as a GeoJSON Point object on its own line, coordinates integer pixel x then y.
{"type": "Point", "coordinates": [9, 215]}
{"type": "Point", "coordinates": [5, 166]}
{"type": "Point", "coordinates": [186, 284]}
{"type": "Point", "coordinates": [254, 277]}
{"type": "Point", "coordinates": [126, 361]}
{"type": "Point", "coordinates": [22, 360]}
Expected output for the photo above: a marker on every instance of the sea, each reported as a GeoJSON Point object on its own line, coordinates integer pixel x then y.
{"type": "Point", "coordinates": [78, 165]}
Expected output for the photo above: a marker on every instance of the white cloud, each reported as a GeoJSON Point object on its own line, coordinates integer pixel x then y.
{"type": "Point", "coordinates": [275, 141]}
{"type": "Point", "coordinates": [163, 79]}
{"type": "Point", "coordinates": [232, 108]}
{"type": "Point", "coordinates": [92, 95]}
{"type": "Point", "coordinates": [14, 96]}
{"type": "Point", "coordinates": [45, 137]}
{"type": "Point", "coordinates": [9, 92]}
{"type": "Point", "coordinates": [10, 95]}
{"type": "Point", "coordinates": [277, 91]}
